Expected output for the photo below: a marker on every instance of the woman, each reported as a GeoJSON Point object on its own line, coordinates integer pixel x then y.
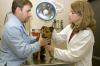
{"type": "Point", "coordinates": [78, 36]}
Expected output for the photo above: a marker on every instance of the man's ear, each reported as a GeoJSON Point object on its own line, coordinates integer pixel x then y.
{"type": "Point", "coordinates": [18, 10]}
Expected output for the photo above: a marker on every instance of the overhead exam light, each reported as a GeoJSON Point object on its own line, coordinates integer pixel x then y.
{"type": "Point", "coordinates": [45, 11]}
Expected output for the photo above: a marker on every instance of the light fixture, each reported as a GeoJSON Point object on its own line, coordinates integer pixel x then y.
{"type": "Point", "coordinates": [45, 11]}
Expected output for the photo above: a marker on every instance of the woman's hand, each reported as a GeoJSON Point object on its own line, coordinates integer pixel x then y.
{"type": "Point", "coordinates": [49, 48]}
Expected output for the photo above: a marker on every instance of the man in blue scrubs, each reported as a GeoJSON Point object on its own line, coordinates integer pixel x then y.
{"type": "Point", "coordinates": [16, 44]}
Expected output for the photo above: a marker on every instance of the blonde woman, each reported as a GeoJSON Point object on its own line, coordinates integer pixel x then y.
{"type": "Point", "coordinates": [78, 36]}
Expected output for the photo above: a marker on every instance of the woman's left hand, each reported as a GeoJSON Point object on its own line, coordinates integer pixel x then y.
{"type": "Point", "coordinates": [49, 48]}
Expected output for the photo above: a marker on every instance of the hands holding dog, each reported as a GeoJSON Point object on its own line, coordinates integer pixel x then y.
{"type": "Point", "coordinates": [45, 35]}
{"type": "Point", "coordinates": [43, 41]}
{"type": "Point", "coordinates": [49, 48]}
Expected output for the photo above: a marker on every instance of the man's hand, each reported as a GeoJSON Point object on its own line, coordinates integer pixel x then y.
{"type": "Point", "coordinates": [43, 41]}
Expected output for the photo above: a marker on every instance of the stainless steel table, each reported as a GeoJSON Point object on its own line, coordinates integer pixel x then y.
{"type": "Point", "coordinates": [53, 62]}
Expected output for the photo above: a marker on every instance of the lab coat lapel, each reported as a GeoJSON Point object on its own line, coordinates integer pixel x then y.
{"type": "Point", "coordinates": [68, 36]}
{"type": "Point", "coordinates": [72, 39]}
{"type": "Point", "coordinates": [19, 23]}
{"type": "Point", "coordinates": [23, 28]}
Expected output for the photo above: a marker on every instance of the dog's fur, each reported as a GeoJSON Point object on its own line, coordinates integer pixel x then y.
{"type": "Point", "coordinates": [39, 57]}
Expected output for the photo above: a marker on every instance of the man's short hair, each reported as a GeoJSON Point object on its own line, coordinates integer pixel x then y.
{"type": "Point", "coordinates": [19, 3]}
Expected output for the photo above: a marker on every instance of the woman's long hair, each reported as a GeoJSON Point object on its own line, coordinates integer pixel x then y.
{"type": "Point", "coordinates": [84, 9]}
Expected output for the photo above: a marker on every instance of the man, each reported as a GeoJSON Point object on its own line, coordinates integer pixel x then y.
{"type": "Point", "coordinates": [16, 44]}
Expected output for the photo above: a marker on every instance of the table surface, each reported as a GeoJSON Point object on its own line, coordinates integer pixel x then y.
{"type": "Point", "coordinates": [53, 62]}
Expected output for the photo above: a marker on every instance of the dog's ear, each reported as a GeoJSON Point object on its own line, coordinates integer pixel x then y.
{"type": "Point", "coordinates": [43, 27]}
{"type": "Point", "coordinates": [51, 29]}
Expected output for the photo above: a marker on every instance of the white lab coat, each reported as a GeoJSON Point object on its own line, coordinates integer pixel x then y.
{"type": "Point", "coordinates": [79, 50]}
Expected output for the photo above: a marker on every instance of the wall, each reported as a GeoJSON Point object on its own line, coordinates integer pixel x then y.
{"type": "Point", "coordinates": [36, 23]}
{"type": "Point", "coordinates": [96, 58]}
{"type": "Point", "coordinates": [4, 8]}
{"type": "Point", "coordinates": [63, 15]}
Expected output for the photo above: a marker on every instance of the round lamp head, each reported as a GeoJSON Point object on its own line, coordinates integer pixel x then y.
{"type": "Point", "coordinates": [46, 11]}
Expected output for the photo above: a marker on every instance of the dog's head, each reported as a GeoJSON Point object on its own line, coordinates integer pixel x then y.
{"type": "Point", "coordinates": [46, 32]}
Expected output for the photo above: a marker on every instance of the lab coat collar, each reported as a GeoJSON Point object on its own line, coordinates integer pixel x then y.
{"type": "Point", "coordinates": [20, 24]}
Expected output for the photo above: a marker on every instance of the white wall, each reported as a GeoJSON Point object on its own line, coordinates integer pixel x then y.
{"type": "Point", "coordinates": [36, 23]}
{"type": "Point", "coordinates": [61, 16]}
{"type": "Point", "coordinates": [5, 6]}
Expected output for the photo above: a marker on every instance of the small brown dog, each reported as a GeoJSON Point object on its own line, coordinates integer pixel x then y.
{"type": "Point", "coordinates": [39, 57]}
{"type": "Point", "coordinates": [46, 32]}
